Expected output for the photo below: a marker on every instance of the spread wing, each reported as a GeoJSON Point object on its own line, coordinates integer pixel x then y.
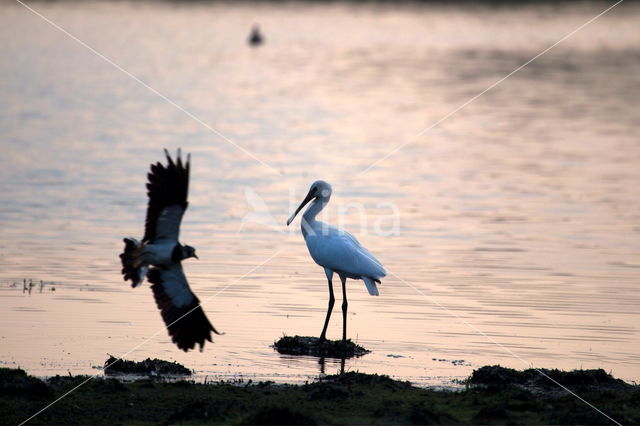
{"type": "Point", "coordinates": [167, 189]}
{"type": "Point", "coordinates": [180, 308]}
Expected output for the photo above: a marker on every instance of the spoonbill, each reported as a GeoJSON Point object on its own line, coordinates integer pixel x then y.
{"type": "Point", "coordinates": [337, 251]}
{"type": "Point", "coordinates": [180, 308]}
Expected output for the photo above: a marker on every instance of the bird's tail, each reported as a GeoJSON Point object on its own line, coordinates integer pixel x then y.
{"type": "Point", "coordinates": [371, 285]}
{"type": "Point", "coordinates": [132, 266]}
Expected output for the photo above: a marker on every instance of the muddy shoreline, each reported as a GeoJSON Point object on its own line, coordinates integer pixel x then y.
{"type": "Point", "coordinates": [493, 395]}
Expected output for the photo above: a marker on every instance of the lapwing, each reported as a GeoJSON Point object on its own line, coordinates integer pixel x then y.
{"type": "Point", "coordinates": [159, 255]}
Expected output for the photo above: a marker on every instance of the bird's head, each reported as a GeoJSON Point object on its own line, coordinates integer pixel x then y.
{"type": "Point", "coordinates": [320, 190]}
{"type": "Point", "coordinates": [188, 251]}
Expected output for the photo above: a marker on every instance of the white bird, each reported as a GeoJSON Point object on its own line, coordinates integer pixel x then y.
{"type": "Point", "coordinates": [168, 187]}
{"type": "Point", "coordinates": [336, 251]}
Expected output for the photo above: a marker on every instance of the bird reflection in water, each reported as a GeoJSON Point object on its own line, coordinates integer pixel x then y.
{"type": "Point", "coordinates": [322, 363]}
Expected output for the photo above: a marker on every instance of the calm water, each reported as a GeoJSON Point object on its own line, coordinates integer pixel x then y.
{"type": "Point", "coordinates": [519, 216]}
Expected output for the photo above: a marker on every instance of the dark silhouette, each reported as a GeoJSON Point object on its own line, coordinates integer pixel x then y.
{"type": "Point", "coordinates": [158, 257]}
{"type": "Point", "coordinates": [255, 38]}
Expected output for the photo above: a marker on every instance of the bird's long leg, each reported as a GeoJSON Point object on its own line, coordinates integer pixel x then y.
{"type": "Point", "coordinates": [332, 301]}
{"type": "Point", "coordinates": [344, 307]}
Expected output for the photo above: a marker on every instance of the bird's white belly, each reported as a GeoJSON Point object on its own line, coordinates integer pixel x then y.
{"type": "Point", "coordinates": [341, 252]}
{"type": "Point", "coordinates": [159, 253]}
{"type": "Point", "coordinates": [313, 243]}
{"type": "Point", "coordinates": [320, 250]}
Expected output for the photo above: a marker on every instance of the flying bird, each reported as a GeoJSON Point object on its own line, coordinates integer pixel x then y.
{"type": "Point", "coordinates": [337, 251]}
{"type": "Point", "coordinates": [159, 255]}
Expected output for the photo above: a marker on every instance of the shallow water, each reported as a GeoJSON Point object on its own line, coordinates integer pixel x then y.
{"type": "Point", "coordinates": [518, 216]}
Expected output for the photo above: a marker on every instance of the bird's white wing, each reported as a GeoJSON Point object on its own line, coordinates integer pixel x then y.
{"type": "Point", "coordinates": [340, 251]}
{"type": "Point", "coordinates": [167, 189]}
{"type": "Point", "coordinates": [180, 308]}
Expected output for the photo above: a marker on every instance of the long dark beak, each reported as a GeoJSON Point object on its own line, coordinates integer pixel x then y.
{"type": "Point", "coordinates": [310, 196]}
{"type": "Point", "coordinates": [196, 256]}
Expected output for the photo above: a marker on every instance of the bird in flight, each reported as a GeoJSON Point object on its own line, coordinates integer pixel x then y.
{"type": "Point", "coordinates": [337, 251]}
{"type": "Point", "coordinates": [159, 255]}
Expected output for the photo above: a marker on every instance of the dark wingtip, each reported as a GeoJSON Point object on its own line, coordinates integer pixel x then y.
{"type": "Point", "coordinates": [179, 160]}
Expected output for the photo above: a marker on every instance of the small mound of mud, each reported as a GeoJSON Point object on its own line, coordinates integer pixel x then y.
{"type": "Point", "coordinates": [353, 378]}
{"type": "Point", "coordinates": [148, 367]}
{"type": "Point", "coordinates": [305, 345]}
{"type": "Point", "coordinates": [496, 377]}
{"type": "Point", "coordinates": [18, 383]}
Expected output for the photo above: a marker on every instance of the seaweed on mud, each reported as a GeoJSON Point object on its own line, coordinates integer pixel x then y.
{"type": "Point", "coordinates": [306, 345]}
{"type": "Point", "coordinates": [148, 367]}
{"type": "Point", "coordinates": [495, 377]}
{"type": "Point", "coordinates": [354, 378]}
{"type": "Point", "coordinates": [16, 382]}
{"type": "Point", "coordinates": [350, 398]}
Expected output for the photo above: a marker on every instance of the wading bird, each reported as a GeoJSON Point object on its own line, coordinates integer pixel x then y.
{"type": "Point", "coordinates": [336, 251]}
{"type": "Point", "coordinates": [180, 308]}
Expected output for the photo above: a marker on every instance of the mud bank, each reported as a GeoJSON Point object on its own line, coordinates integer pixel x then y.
{"type": "Point", "coordinates": [494, 395]}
